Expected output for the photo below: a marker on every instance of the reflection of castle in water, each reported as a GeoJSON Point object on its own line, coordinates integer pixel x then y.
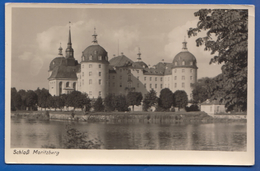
{"type": "Point", "coordinates": [97, 76]}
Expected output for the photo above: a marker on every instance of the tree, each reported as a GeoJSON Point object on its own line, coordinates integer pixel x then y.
{"type": "Point", "coordinates": [134, 98]}
{"type": "Point", "coordinates": [181, 99]}
{"type": "Point", "coordinates": [150, 100]}
{"type": "Point", "coordinates": [165, 99]}
{"type": "Point", "coordinates": [110, 102]}
{"type": "Point", "coordinates": [23, 96]}
{"type": "Point", "coordinates": [31, 99]}
{"type": "Point", "coordinates": [44, 99]}
{"type": "Point", "coordinates": [121, 103]}
{"type": "Point", "coordinates": [76, 100]}
{"type": "Point", "coordinates": [16, 100]}
{"type": "Point", "coordinates": [227, 39]}
{"type": "Point", "coordinates": [98, 105]}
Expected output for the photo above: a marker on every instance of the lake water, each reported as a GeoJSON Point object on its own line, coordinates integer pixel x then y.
{"type": "Point", "coordinates": [210, 136]}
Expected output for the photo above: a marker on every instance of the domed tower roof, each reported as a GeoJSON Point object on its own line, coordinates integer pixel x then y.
{"type": "Point", "coordinates": [94, 52]}
{"type": "Point", "coordinates": [58, 61]}
{"type": "Point", "coordinates": [184, 59]}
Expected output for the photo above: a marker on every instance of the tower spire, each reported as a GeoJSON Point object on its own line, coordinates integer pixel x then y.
{"type": "Point", "coordinates": [184, 44]}
{"type": "Point", "coordinates": [94, 37]}
{"type": "Point", "coordinates": [69, 50]}
{"type": "Point", "coordinates": [139, 54]}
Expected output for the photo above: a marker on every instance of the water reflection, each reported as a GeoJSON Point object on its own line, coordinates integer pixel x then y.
{"type": "Point", "coordinates": [213, 136]}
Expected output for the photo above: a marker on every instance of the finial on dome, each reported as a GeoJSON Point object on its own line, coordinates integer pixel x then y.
{"type": "Point", "coordinates": [95, 36]}
{"type": "Point", "coordinates": [184, 44]}
{"type": "Point", "coordinates": [139, 54]}
{"type": "Point", "coordinates": [60, 50]}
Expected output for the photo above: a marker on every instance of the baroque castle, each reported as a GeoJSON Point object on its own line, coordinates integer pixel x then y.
{"type": "Point", "coordinates": [97, 76]}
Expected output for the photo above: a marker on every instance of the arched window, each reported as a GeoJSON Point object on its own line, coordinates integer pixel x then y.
{"type": "Point", "coordinates": [67, 84]}
{"type": "Point", "coordinates": [90, 57]}
{"type": "Point", "coordinates": [183, 62]}
{"type": "Point", "coordinates": [60, 88]}
{"type": "Point", "coordinates": [191, 63]}
{"type": "Point", "coordinates": [74, 86]}
{"type": "Point", "coordinates": [100, 58]}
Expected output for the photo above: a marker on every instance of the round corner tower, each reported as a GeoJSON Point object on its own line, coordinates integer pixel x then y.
{"type": "Point", "coordinates": [184, 71]}
{"type": "Point", "coordinates": [94, 70]}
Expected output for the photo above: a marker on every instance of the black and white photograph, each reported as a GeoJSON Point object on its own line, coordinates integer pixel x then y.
{"type": "Point", "coordinates": [129, 84]}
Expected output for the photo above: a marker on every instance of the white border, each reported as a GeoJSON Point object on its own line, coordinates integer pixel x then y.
{"type": "Point", "coordinates": [135, 156]}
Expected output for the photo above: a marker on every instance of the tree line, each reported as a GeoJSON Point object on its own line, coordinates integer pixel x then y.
{"type": "Point", "coordinates": [31, 100]}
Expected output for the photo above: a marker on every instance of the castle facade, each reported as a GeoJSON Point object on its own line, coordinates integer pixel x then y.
{"type": "Point", "coordinates": [97, 76]}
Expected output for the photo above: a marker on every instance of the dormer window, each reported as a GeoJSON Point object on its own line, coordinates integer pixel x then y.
{"type": "Point", "coordinates": [183, 62]}
{"type": "Point", "coordinates": [90, 57]}
{"type": "Point", "coordinates": [100, 58]}
{"type": "Point", "coordinates": [95, 52]}
{"type": "Point", "coordinates": [191, 63]}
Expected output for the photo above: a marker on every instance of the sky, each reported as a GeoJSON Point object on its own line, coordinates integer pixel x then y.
{"type": "Point", "coordinates": [38, 32]}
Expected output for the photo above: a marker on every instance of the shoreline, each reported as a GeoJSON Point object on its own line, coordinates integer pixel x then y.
{"type": "Point", "coordinates": [129, 117]}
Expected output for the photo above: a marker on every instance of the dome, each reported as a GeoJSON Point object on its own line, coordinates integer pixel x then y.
{"type": "Point", "coordinates": [56, 62]}
{"type": "Point", "coordinates": [184, 59]}
{"type": "Point", "coordinates": [94, 53]}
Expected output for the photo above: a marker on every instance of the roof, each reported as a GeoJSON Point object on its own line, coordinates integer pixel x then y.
{"type": "Point", "coordinates": [93, 53]}
{"type": "Point", "coordinates": [141, 64]}
{"type": "Point", "coordinates": [212, 102]}
{"type": "Point", "coordinates": [64, 72]}
{"type": "Point", "coordinates": [57, 62]}
{"type": "Point", "coordinates": [185, 59]}
{"type": "Point", "coordinates": [120, 61]}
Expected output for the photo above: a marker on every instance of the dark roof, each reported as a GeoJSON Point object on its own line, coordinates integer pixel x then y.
{"type": "Point", "coordinates": [162, 68]}
{"type": "Point", "coordinates": [57, 62]}
{"type": "Point", "coordinates": [120, 61]}
{"type": "Point", "coordinates": [141, 64]}
{"type": "Point", "coordinates": [93, 52]}
{"type": "Point", "coordinates": [187, 57]}
{"type": "Point", "coordinates": [64, 72]}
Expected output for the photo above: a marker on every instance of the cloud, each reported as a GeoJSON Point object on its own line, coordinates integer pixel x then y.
{"type": "Point", "coordinates": [26, 56]}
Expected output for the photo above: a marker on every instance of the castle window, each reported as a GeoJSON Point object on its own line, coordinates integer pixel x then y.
{"type": "Point", "coordinates": [161, 78]}
{"type": "Point", "coordinates": [161, 86]}
{"type": "Point", "coordinates": [100, 58]}
{"type": "Point", "coordinates": [120, 85]}
{"type": "Point", "coordinates": [90, 73]}
{"type": "Point", "coordinates": [155, 85]}
{"type": "Point", "coordinates": [90, 93]}
{"type": "Point", "coordinates": [82, 65]}
{"type": "Point", "coordinates": [99, 81]}
{"type": "Point", "coordinates": [191, 63]}
{"type": "Point", "coordinates": [175, 85]}
{"type": "Point", "coordinates": [82, 74]}
{"type": "Point", "coordinates": [183, 77]}
{"type": "Point", "coordinates": [175, 70]}
{"type": "Point", "coordinates": [90, 57]}
{"type": "Point", "coordinates": [150, 78]}
{"type": "Point", "coordinates": [99, 73]}
{"type": "Point", "coordinates": [190, 77]}
{"type": "Point", "coordinates": [82, 82]}
{"type": "Point", "coordinates": [144, 78]}
{"type": "Point", "coordinates": [67, 84]}
{"type": "Point", "coordinates": [95, 52]}
{"type": "Point", "coordinates": [99, 93]}
{"type": "Point", "coordinates": [137, 77]}
{"type": "Point", "coordinates": [175, 78]}
{"type": "Point", "coordinates": [144, 85]}
{"type": "Point", "coordinates": [176, 63]}
{"type": "Point", "coordinates": [183, 70]}
{"type": "Point", "coordinates": [183, 62]}
{"type": "Point", "coordinates": [90, 81]}
{"type": "Point", "coordinates": [150, 85]}
{"type": "Point", "coordinates": [90, 65]}
{"type": "Point", "coordinates": [120, 77]}
{"type": "Point", "coordinates": [183, 85]}
{"type": "Point", "coordinates": [191, 70]}
{"type": "Point", "coordinates": [155, 78]}
{"type": "Point", "coordinates": [99, 65]}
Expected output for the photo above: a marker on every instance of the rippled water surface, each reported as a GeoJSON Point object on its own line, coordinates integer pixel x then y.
{"type": "Point", "coordinates": [211, 136]}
